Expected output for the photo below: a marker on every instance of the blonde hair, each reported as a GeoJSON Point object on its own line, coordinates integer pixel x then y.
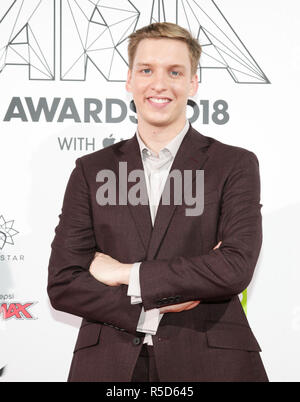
{"type": "Point", "coordinates": [168, 30]}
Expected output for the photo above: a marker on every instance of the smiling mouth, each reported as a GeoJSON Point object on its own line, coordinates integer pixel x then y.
{"type": "Point", "coordinates": [159, 101]}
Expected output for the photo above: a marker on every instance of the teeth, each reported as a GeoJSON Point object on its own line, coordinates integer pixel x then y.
{"type": "Point", "coordinates": [157, 100]}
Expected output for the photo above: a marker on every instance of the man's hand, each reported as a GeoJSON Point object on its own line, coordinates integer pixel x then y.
{"type": "Point", "coordinates": [112, 272]}
{"type": "Point", "coordinates": [177, 308]}
{"type": "Point", "coordinates": [218, 245]}
{"type": "Point", "coordinates": [109, 271]}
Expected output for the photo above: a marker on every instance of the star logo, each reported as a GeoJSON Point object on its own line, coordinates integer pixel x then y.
{"type": "Point", "coordinates": [6, 232]}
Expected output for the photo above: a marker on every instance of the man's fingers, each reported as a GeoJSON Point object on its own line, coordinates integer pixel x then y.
{"type": "Point", "coordinates": [193, 305]}
{"type": "Point", "coordinates": [218, 245]}
{"type": "Point", "coordinates": [97, 254]}
{"type": "Point", "coordinates": [175, 308]}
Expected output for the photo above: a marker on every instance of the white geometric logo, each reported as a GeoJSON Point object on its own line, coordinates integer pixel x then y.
{"type": "Point", "coordinates": [27, 31]}
{"type": "Point", "coordinates": [96, 32]}
{"type": "Point", "coordinates": [221, 46]}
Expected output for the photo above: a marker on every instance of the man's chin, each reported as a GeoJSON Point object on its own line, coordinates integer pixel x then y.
{"type": "Point", "coordinates": [159, 122]}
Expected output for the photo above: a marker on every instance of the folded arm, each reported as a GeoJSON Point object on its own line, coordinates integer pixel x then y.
{"type": "Point", "coordinates": [71, 287]}
{"type": "Point", "coordinates": [225, 271]}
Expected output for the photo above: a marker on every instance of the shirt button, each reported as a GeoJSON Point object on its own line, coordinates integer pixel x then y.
{"type": "Point", "coordinates": [136, 341]}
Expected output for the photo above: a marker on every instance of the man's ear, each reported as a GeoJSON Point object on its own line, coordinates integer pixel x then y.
{"type": "Point", "coordinates": [128, 82]}
{"type": "Point", "coordinates": [194, 85]}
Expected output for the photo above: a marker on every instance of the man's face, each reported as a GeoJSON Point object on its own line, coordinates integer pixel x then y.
{"type": "Point", "coordinates": [161, 81]}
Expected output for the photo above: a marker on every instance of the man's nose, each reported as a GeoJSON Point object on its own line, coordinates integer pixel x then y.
{"type": "Point", "coordinates": [159, 82]}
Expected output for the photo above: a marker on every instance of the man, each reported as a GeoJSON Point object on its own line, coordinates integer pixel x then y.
{"type": "Point", "coordinates": [158, 287]}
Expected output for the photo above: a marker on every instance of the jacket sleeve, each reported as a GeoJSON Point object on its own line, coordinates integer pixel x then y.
{"type": "Point", "coordinates": [71, 288]}
{"type": "Point", "coordinates": [226, 271]}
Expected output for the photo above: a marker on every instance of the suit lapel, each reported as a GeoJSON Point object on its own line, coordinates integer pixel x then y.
{"type": "Point", "coordinates": [190, 156]}
{"type": "Point", "coordinates": [129, 152]}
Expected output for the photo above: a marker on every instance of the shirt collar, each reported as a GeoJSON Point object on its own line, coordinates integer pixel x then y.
{"type": "Point", "coordinates": [172, 147]}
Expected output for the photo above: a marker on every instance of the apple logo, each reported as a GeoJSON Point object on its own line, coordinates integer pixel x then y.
{"type": "Point", "coordinates": [108, 141]}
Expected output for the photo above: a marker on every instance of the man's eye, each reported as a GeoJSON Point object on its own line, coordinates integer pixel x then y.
{"type": "Point", "coordinates": [146, 70]}
{"type": "Point", "coordinates": [175, 73]}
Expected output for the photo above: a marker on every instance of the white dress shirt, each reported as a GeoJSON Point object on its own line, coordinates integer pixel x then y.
{"type": "Point", "coordinates": [156, 170]}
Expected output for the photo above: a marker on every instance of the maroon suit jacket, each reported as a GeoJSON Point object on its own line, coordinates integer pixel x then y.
{"type": "Point", "coordinates": [212, 342]}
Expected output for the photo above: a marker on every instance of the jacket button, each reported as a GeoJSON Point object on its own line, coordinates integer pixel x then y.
{"type": "Point", "coordinates": [176, 298]}
{"type": "Point", "coordinates": [136, 341]}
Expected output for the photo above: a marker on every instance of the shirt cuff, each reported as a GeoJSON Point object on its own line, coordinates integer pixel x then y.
{"type": "Point", "coordinates": [149, 321]}
{"type": "Point", "coordinates": [134, 288]}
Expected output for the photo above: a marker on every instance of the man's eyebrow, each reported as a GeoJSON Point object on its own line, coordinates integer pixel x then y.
{"type": "Point", "coordinates": [177, 66]}
{"type": "Point", "coordinates": [170, 66]}
{"type": "Point", "coordinates": [143, 64]}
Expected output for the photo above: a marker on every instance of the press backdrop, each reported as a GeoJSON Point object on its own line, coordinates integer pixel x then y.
{"type": "Point", "coordinates": [62, 95]}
